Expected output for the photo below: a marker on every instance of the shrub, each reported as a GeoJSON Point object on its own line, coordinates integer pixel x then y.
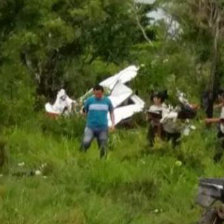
{"type": "Point", "coordinates": [70, 127]}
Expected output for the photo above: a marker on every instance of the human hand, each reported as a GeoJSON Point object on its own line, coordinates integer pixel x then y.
{"type": "Point", "coordinates": [112, 128]}
{"type": "Point", "coordinates": [207, 121]}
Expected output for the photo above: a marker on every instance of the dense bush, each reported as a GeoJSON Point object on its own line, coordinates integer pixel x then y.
{"type": "Point", "coordinates": [69, 127]}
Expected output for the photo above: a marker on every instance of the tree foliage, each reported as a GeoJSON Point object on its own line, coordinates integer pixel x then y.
{"type": "Point", "coordinates": [49, 44]}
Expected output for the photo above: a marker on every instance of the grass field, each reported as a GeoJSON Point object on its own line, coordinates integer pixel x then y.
{"type": "Point", "coordinates": [136, 184]}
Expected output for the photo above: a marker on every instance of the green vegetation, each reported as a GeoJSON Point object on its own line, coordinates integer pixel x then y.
{"type": "Point", "coordinates": [136, 184]}
{"type": "Point", "coordinates": [49, 44]}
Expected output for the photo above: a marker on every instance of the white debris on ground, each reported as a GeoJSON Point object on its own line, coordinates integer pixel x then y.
{"type": "Point", "coordinates": [21, 164]}
{"type": "Point", "coordinates": [34, 172]}
{"type": "Point", "coordinates": [38, 172]}
{"type": "Point", "coordinates": [63, 104]}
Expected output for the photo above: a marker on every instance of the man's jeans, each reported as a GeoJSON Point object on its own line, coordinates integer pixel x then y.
{"type": "Point", "coordinates": [100, 134]}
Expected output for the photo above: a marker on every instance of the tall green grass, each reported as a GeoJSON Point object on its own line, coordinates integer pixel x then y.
{"type": "Point", "coordinates": [135, 184]}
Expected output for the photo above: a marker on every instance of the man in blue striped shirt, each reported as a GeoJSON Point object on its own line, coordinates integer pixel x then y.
{"type": "Point", "coordinates": [97, 108]}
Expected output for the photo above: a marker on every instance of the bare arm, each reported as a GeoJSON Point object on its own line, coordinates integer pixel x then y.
{"type": "Point", "coordinates": [112, 117]}
{"type": "Point", "coordinates": [212, 120]}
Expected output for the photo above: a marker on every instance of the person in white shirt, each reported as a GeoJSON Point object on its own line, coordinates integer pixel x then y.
{"type": "Point", "coordinates": [167, 122]}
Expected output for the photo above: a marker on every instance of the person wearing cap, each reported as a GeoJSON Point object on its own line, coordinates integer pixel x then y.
{"type": "Point", "coordinates": [154, 116]}
{"type": "Point", "coordinates": [96, 108]}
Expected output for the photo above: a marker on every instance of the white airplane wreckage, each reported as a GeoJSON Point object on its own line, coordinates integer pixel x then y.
{"type": "Point", "coordinates": [63, 105]}
{"type": "Point", "coordinates": [125, 102]}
